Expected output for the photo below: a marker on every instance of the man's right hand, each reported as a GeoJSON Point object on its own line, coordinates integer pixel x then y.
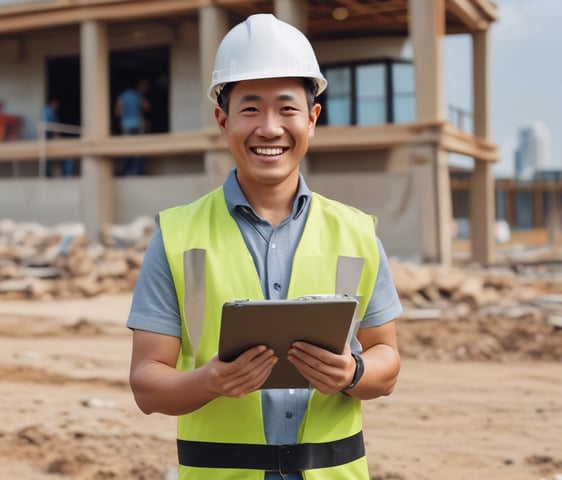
{"type": "Point", "coordinates": [243, 375]}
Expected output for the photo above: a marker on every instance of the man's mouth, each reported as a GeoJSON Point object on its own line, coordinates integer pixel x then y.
{"type": "Point", "coordinates": [268, 151]}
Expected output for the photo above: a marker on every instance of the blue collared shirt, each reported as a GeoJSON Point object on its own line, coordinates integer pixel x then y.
{"type": "Point", "coordinates": [154, 307]}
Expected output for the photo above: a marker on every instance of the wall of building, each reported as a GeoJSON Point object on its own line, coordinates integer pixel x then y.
{"type": "Point", "coordinates": [374, 181]}
{"type": "Point", "coordinates": [23, 68]}
{"type": "Point", "coordinates": [357, 49]}
{"type": "Point", "coordinates": [23, 64]}
{"type": "Point", "coordinates": [391, 197]}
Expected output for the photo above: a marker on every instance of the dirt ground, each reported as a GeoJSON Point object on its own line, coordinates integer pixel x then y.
{"type": "Point", "coordinates": [475, 400]}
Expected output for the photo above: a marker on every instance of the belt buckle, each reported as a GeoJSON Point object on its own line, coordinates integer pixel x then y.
{"type": "Point", "coordinates": [284, 452]}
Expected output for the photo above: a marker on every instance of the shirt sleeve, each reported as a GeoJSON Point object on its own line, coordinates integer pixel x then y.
{"type": "Point", "coordinates": [155, 304]}
{"type": "Point", "coordinates": [384, 304]}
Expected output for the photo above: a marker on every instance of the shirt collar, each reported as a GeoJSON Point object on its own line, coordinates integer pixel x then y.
{"type": "Point", "coordinates": [236, 200]}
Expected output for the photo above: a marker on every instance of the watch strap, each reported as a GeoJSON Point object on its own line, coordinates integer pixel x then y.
{"type": "Point", "coordinates": [359, 370]}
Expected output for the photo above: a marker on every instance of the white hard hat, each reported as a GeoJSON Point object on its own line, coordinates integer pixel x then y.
{"type": "Point", "coordinates": [264, 47]}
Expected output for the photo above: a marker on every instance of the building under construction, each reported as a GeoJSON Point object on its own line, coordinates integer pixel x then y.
{"type": "Point", "coordinates": [382, 143]}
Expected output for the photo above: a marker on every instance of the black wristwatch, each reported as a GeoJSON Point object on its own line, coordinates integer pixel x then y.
{"type": "Point", "coordinates": [359, 370]}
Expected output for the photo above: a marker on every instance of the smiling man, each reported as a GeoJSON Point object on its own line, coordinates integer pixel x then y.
{"type": "Point", "coordinates": [262, 234]}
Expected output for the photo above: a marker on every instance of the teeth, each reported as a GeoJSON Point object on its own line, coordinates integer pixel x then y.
{"type": "Point", "coordinates": [268, 151]}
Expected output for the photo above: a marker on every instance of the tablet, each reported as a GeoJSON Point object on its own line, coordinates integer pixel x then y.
{"type": "Point", "coordinates": [326, 321]}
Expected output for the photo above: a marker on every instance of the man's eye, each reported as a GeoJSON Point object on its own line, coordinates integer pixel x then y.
{"type": "Point", "coordinates": [250, 109]}
{"type": "Point", "coordinates": [288, 108]}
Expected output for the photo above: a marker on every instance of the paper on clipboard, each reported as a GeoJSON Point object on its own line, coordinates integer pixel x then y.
{"type": "Point", "coordinates": [327, 321]}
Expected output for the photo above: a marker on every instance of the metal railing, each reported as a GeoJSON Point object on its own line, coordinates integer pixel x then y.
{"type": "Point", "coordinates": [461, 119]}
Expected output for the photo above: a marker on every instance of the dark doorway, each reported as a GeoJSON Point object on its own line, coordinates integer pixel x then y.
{"type": "Point", "coordinates": [63, 82]}
{"type": "Point", "coordinates": [153, 65]}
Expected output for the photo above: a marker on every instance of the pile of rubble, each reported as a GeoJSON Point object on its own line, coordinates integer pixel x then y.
{"type": "Point", "coordinates": [431, 291]}
{"type": "Point", "coordinates": [39, 263]}
{"type": "Point", "coordinates": [500, 314]}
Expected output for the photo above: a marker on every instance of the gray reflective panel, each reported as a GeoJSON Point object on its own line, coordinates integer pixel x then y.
{"type": "Point", "coordinates": [194, 295]}
{"type": "Point", "coordinates": [348, 274]}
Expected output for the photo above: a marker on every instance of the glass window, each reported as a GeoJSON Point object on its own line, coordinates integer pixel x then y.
{"type": "Point", "coordinates": [403, 88]}
{"type": "Point", "coordinates": [524, 208]}
{"type": "Point", "coordinates": [338, 98]}
{"type": "Point", "coordinates": [371, 94]}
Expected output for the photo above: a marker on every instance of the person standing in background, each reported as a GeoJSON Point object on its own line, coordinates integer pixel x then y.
{"type": "Point", "coordinates": [131, 108]}
{"type": "Point", "coordinates": [50, 115]}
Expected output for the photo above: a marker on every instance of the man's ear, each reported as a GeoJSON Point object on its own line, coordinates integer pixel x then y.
{"type": "Point", "coordinates": [221, 117]}
{"type": "Point", "coordinates": [313, 118]}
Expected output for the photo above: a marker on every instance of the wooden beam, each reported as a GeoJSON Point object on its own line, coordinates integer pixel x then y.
{"type": "Point", "coordinates": [372, 137]}
{"type": "Point", "coordinates": [69, 14]}
{"type": "Point", "coordinates": [115, 146]}
{"type": "Point", "coordinates": [469, 14]}
{"type": "Point", "coordinates": [456, 141]}
{"type": "Point", "coordinates": [326, 139]}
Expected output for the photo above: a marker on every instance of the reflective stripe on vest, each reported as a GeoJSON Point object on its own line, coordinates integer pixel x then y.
{"type": "Point", "coordinates": [334, 235]}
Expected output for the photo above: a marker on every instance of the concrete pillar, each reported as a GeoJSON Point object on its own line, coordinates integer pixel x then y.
{"type": "Point", "coordinates": [294, 12]}
{"type": "Point", "coordinates": [430, 171]}
{"type": "Point", "coordinates": [482, 204]}
{"type": "Point", "coordinates": [427, 28]}
{"type": "Point", "coordinates": [97, 202]}
{"type": "Point", "coordinates": [213, 26]}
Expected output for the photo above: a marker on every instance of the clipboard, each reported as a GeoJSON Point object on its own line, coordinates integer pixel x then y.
{"type": "Point", "coordinates": [326, 321]}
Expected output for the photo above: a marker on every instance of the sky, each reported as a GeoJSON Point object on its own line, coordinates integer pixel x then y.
{"type": "Point", "coordinates": [525, 75]}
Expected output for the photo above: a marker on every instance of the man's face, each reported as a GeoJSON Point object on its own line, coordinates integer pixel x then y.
{"type": "Point", "coordinates": [268, 128]}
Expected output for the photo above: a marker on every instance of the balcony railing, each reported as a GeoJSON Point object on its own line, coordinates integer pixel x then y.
{"type": "Point", "coordinates": [461, 119]}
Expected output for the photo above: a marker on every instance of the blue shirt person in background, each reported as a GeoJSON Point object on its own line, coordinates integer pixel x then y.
{"type": "Point", "coordinates": [50, 115]}
{"type": "Point", "coordinates": [131, 108]}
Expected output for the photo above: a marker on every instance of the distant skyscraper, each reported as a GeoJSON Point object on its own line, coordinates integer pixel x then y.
{"type": "Point", "coordinates": [532, 152]}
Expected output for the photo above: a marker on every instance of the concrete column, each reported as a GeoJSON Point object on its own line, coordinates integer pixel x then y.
{"type": "Point", "coordinates": [95, 79]}
{"type": "Point", "coordinates": [481, 83]}
{"type": "Point", "coordinates": [213, 26]}
{"type": "Point", "coordinates": [482, 203]}
{"type": "Point", "coordinates": [427, 28]}
{"type": "Point", "coordinates": [97, 203]}
{"type": "Point", "coordinates": [294, 12]}
{"type": "Point", "coordinates": [430, 171]}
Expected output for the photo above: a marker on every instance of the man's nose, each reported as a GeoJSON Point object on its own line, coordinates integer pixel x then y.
{"type": "Point", "coordinates": [271, 126]}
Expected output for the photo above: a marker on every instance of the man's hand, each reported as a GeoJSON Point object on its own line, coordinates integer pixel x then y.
{"type": "Point", "coordinates": [243, 375]}
{"type": "Point", "coordinates": [327, 372]}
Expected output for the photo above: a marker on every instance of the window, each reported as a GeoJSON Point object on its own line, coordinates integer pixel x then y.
{"type": "Point", "coordinates": [370, 93]}
{"type": "Point", "coordinates": [338, 101]}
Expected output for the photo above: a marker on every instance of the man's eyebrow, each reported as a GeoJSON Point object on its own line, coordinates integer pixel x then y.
{"type": "Point", "coordinates": [284, 97]}
{"type": "Point", "coordinates": [249, 98]}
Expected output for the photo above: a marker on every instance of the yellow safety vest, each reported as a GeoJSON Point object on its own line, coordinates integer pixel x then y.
{"type": "Point", "coordinates": [332, 230]}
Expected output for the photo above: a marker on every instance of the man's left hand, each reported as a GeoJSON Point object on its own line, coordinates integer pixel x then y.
{"type": "Point", "coordinates": [326, 371]}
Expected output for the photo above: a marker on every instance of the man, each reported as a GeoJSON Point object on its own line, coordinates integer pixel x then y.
{"type": "Point", "coordinates": [50, 115]}
{"type": "Point", "coordinates": [131, 108]}
{"type": "Point", "coordinates": [263, 234]}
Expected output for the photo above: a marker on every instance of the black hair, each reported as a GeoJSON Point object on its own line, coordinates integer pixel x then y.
{"type": "Point", "coordinates": [310, 88]}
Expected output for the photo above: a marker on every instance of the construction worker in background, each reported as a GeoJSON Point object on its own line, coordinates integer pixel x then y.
{"type": "Point", "coordinates": [262, 234]}
{"type": "Point", "coordinates": [131, 109]}
{"type": "Point", "coordinates": [50, 117]}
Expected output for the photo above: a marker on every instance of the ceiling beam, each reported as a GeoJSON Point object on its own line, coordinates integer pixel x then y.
{"type": "Point", "coordinates": [468, 14]}
{"type": "Point", "coordinates": [62, 14]}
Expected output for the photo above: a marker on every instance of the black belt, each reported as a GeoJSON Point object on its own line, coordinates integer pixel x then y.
{"type": "Point", "coordinates": [274, 458]}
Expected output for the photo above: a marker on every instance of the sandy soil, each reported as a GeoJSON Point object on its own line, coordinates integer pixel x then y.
{"type": "Point", "coordinates": [473, 402]}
